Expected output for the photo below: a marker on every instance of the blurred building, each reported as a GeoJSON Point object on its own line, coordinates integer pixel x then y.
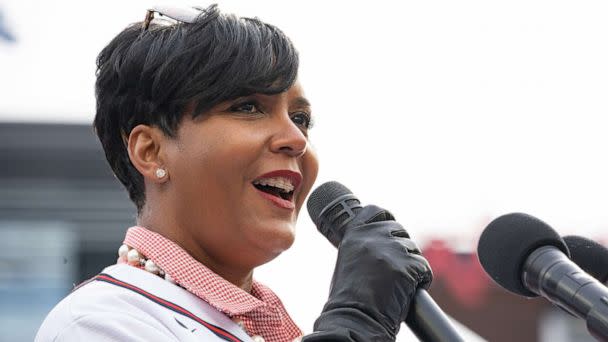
{"type": "Point", "coordinates": [62, 219]}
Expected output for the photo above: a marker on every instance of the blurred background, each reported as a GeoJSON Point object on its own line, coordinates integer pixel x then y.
{"type": "Point", "coordinates": [447, 113]}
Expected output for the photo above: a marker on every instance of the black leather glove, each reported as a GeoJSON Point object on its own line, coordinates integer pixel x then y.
{"type": "Point", "coordinates": [376, 276]}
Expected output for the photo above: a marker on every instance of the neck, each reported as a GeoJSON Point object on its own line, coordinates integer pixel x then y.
{"type": "Point", "coordinates": [241, 277]}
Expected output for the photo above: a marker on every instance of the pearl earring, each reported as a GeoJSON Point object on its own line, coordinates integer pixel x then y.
{"type": "Point", "coordinates": [160, 173]}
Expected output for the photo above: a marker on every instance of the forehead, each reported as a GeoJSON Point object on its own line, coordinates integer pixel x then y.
{"type": "Point", "coordinates": [295, 95]}
{"type": "Point", "coordinates": [296, 89]}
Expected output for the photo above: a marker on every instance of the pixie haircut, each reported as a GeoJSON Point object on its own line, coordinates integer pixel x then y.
{"type": "Point", "coordinates": [157, 75]}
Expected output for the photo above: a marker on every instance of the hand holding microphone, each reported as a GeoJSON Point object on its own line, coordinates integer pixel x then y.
{"type": "Point", "coordinates": [378, 274]}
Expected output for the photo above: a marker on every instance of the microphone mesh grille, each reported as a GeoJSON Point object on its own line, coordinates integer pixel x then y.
{"type": "Point", "coordinates": [322, 196]}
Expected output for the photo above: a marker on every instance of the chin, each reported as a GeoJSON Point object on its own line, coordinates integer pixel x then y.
{"type": "Point", "coordinates": [273, 242]}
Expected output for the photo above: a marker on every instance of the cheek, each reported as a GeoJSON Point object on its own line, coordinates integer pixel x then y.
{"type": "Point", "coordinates": [310, 169]}
{"type": "Point", "coordinates": [194, 180]}
{"type": "Point", "coordinates": [311, 164]}
{"type": "Point", "coordinates": [219, 169]}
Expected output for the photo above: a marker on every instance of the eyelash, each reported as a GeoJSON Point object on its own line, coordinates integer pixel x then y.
{"type": "Point", "coordinates": [306, 125]}
{"type": "Point", "coordinates": [238, 107]}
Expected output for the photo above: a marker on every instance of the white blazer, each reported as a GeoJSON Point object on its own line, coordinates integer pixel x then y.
{"type": "Point", "coordinates": [125, 303]}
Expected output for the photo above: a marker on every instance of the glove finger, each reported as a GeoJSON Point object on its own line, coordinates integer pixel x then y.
{"type": "Point", "coordinates": [424, 271]}
{"type": "Point", "coordinates": [400, 232]}
{"type": "Point", "coordinates": [372, 213]}
{"type": "Point", "coordinates": [410, 246]}
{"type": "Point", "coordinates": [384, 229]}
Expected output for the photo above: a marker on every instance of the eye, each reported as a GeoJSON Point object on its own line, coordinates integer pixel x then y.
{"type": "Point", "coordinates": [302, 119]}
{"type": "Point", "coordinates": [250, 107]}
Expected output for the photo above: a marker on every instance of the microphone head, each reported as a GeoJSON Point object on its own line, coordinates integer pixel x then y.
{"type": "Point", "coordinates": [331, 206]}
{"type": "Point", "coordinates": [589, 255]}
{"type": "Point", "coordinates": [322, 196]}
{"type": "Point", "coordinates": [506, 243]}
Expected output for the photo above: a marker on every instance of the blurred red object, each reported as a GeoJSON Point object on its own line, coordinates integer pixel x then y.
{"type": "Point", "coordinates": [461, 274]}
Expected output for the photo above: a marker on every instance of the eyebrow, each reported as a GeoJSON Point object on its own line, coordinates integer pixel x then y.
{"type": "Point", "coordinates": [301, 102]}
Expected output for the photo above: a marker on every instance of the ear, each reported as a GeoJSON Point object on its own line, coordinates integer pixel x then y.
{"type": "Point", "coordinates": [146, 151]}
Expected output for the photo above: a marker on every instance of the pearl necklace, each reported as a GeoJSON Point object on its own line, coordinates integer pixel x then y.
{"type": "Point", "coordinates": [133, 257]}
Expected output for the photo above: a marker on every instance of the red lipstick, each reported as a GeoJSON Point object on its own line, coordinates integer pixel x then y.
{"type": "Point", "coordinates": [278, 197]}
{"type": "Point", "coordinates": [293, 176]}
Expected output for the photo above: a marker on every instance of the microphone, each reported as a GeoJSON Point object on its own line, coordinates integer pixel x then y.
{"type": "Point", "coordinates": [527, 257]}
{"type": "Point", "coordinates": [589, 255]}
{"type": "Point", "coordinates": [331, 206]}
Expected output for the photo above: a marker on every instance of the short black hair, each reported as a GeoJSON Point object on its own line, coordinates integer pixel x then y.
{"type": "Point", "coordinates": [154, 76]}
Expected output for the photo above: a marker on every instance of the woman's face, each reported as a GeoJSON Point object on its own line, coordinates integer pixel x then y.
{"type": "Point", "coordinates": [239, 175]}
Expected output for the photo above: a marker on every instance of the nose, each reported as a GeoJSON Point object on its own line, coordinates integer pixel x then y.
{"type": "Point", "coordinates": [288, 138]}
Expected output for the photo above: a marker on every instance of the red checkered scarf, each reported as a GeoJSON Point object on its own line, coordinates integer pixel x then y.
{"type": "Point", "coordinates": [261, 310]}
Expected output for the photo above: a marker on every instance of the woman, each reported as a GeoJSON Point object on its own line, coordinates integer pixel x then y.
{"type": "Point", "coordinates": [203, 121]}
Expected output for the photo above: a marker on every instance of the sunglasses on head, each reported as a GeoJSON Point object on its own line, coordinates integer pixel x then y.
{"type": "Point", "coordinates": [171, 15]}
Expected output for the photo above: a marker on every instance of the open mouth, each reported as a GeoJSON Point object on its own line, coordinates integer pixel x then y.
{"type": "Point", "coordinates": [282, 189]}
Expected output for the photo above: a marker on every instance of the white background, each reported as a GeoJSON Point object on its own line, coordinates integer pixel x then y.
{"type": "Point", "coordinates": [448, 113]}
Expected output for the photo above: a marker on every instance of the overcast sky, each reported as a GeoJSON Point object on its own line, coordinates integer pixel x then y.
{"type": "Point", "coordinates": [448, 113]}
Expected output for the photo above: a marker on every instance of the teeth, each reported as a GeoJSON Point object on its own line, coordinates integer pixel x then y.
{"type": "Point", "coordinates": [278, 182]}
